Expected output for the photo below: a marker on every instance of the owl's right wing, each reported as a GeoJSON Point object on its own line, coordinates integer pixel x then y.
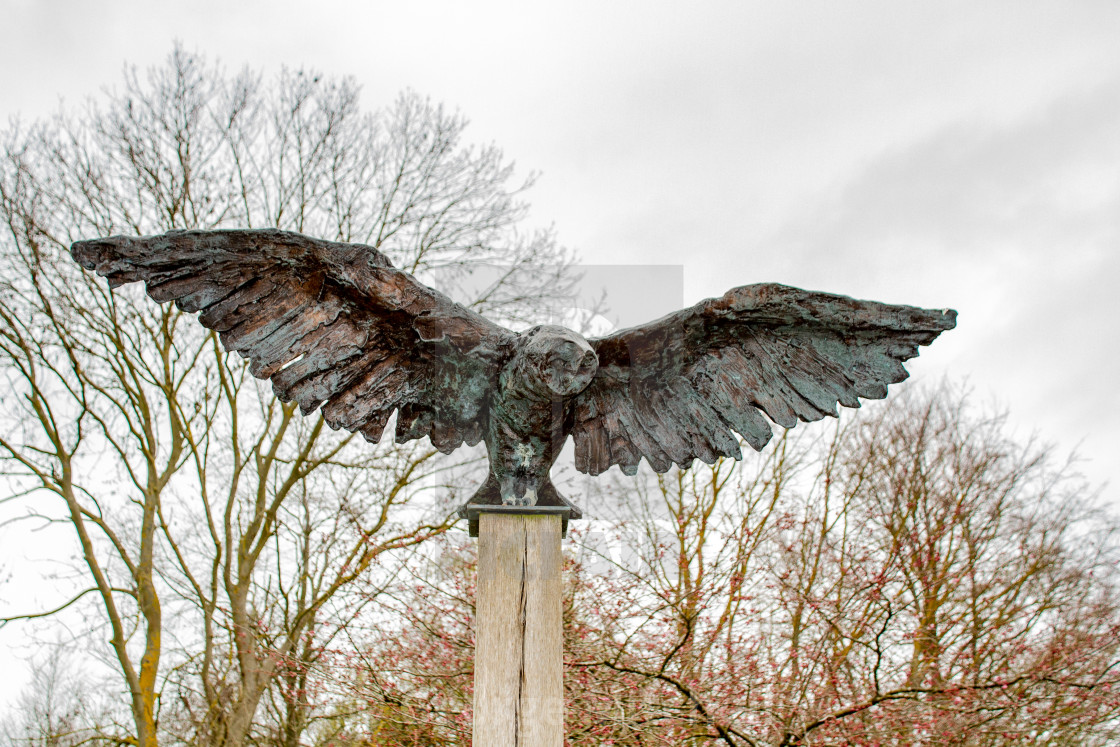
{"type": "Point", "coordinates": [330, 324]}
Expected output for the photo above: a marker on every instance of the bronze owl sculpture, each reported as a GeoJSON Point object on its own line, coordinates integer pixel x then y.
{"type": "Point", "coordinates": [335, 326]}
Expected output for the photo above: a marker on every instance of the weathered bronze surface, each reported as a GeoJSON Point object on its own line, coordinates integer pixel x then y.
{"type": "Point", "coordinates": [336, 326]}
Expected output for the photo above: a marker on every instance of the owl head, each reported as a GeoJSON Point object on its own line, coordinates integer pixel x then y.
{"type": "Point", "coordinates": [560, 360]}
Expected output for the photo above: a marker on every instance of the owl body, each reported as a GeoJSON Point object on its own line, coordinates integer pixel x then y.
{"type": "Point", "coordinates": [525, 419]}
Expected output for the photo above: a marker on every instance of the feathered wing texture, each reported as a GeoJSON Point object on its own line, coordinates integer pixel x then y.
{"type": "Point", "coordinates": [673, 389]}
{"type": "Point", "coordinates": [330, 324]}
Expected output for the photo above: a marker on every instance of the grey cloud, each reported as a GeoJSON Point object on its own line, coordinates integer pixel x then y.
{"type": "Point", "coordinates": [1019, 226]}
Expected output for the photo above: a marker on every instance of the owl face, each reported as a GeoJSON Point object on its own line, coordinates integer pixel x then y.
{"type": "Point", "coordinates": [561, 359]}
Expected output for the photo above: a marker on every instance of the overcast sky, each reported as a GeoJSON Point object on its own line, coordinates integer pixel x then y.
{"type": "Point", "coordinates": [949, 154]}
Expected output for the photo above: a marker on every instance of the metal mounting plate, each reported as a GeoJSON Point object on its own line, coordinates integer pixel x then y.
{"type": "Point", "coordinates": [472, 511]}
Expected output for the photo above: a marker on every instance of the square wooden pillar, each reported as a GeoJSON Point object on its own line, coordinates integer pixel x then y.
{"type": "Point", "coordinates": [519, 650]}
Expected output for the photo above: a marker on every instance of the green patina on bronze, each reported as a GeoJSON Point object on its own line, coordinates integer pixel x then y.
{"type": "Point", "coordinates": [335, 326]}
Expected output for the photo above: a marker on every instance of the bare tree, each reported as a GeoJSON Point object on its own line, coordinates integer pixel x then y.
{"type": "Point", "coordinates": [59, 707]}
{"type": "Point", "coordinates": [227, 540]}
{"type": "Point", "coordinates": [916, 577]}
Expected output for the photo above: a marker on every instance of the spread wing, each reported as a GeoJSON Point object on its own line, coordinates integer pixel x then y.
{"type": "Point", "coordinates": [672, 390]}
{"type": "Point", "coordinates": [330, 324]}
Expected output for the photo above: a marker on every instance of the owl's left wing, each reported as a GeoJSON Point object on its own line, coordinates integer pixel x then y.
{"type": "Point", "coordinates": [672, 390]}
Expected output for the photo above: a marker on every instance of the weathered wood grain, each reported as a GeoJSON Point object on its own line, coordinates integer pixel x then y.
{"type": "Point", "coordinates": [519, 693]}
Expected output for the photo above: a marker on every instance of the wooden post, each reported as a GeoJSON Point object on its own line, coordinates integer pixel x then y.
{"type": "Point", "coordinates": [519, 654]}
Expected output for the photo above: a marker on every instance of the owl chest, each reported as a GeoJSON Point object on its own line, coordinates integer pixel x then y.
{"type": "Point", "coordinates": [524, 436]}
